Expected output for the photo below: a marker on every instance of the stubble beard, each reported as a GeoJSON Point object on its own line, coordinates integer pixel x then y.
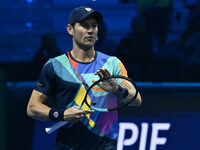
{"type": "Point", "coordinates": [85, 47]}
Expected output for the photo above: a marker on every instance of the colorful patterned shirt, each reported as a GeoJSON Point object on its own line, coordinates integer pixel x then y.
{"type": "Point", "coordinates": [61, 79]}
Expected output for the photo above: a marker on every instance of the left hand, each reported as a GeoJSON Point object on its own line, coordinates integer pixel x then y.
{"type": "Point", "coordinates": [107, 85]}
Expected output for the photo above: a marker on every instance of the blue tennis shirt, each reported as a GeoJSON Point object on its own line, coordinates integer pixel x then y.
{"type": "Point", "coordinates": [61, 80]}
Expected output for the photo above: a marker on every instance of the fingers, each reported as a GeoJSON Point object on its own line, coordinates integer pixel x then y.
{"type": "Point", "coordinates": [107, 72]}
{"type": "Point", "coordinates": [86, 112]}
{"type": "Point", "coordinates": [75, 107]}
{"type": "Point", "coordinates": [76, 110]}
{"type": "Point", "coordinates": [74, 114]}
{"type": "Point", "coordinates": [102, 73]}
{"type": "Point", "coordinates": [83, 113]}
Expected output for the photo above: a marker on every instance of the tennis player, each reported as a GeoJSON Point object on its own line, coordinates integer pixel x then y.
{"type": "Point", "coordinates": [61, 79]}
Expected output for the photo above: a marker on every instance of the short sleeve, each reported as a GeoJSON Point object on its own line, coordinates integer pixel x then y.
{"type": "Point", "coordinates": [46, 81]}
{"type": "Point", "coordinates": [119, 67]}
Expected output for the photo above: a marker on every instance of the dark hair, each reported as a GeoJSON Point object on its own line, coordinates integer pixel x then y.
{"type": "Point", "coordinates": [73, 24]}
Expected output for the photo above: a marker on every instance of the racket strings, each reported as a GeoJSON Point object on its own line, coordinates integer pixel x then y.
{"type": "Point", "coordinates": [109, 96]}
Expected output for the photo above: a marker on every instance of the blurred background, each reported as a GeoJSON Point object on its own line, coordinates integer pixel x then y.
{"type": "Point", "coordinates": [158, 41]}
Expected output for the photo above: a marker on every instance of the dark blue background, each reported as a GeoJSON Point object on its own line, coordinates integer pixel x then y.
{"type": "Point", "coordinates": [183, 134]}
{"type": "Point", "coordinates": [168, 51]}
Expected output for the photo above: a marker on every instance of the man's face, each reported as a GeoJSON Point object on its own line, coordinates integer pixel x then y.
{"type": "Point", "coordinates": [85, 33]}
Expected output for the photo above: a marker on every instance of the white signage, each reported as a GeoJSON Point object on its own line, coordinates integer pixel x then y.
{"type": "Point", "coordinates": [154, 141]}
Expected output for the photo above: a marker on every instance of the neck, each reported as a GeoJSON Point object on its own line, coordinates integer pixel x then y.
{"type": "Point", "coordinates": [83, 55]}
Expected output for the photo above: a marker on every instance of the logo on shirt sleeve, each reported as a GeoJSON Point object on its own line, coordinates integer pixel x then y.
{"type": "Point", "coordinates": [39, 84]}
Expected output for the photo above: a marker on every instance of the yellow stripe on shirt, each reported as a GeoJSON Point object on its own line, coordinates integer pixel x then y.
{"type": "Point", "coordinates": [79, 99]}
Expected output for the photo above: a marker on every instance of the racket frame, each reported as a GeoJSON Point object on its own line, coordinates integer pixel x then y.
{"type": "Point", "coordinates": [117, 107]}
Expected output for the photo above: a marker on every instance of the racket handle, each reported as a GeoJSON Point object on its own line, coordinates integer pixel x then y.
{"type": "Point", "coordinates": [55, 126]}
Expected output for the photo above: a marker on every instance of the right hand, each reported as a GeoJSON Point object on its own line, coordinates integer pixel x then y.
{"type": "Point", "coordinates": [73, 114]}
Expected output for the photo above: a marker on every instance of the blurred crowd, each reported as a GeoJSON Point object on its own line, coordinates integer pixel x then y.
{"type": "Point", "coordinates": [164, 44]}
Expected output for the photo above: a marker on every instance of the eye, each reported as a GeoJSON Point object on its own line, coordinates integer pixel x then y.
{"type": "Point", "coordinates": [83, 24]}
{"type": "Point", "coordinates": [94, 25]}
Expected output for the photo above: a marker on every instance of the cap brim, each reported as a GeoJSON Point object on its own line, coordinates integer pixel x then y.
{"type": "Point", "coordinates": [97, 15]}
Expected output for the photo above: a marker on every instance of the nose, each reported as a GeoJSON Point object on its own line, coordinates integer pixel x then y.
{"type": "Point", "coordinates": [91, 29]}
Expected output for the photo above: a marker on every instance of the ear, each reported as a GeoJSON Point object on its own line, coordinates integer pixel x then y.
{"type": "Point", "coordinates": [70, 29]}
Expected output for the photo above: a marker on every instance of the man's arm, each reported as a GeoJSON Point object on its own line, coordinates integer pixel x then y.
{"type": "Point", "coordinates": [132, 91]}
{"type": "Point", "coordinates": [137, 101]}
{"type": "Point", "coordinates": [38, 110]}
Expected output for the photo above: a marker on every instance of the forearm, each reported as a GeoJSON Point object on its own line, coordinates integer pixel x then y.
{"type": "Point", "coordinates": [36, 108]}
{"type": "Point", "coordinates": [137, 101]}
{"type": "Point", "coordinates": [131, 94]}
{"type": "Point", "coordinates": [41, 112]}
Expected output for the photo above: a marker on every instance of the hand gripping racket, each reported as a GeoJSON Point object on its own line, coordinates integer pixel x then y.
{"type": "Point", "coordinates": [106, 94]}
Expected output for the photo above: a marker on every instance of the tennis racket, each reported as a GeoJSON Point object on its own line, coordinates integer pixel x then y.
{"type": "Point", "coordinates": [106, 94]}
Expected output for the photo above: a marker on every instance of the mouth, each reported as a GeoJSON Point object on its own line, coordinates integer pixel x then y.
{"type": "Point", "coordinates": [90, 38]}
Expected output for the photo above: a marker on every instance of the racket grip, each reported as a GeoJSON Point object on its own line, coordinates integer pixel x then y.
{"type": "Point", "coordinates": [55, 126]}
